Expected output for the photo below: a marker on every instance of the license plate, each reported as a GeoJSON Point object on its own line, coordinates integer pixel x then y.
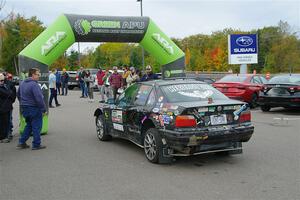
{"type": "Point", "coordinates": [218, 119]}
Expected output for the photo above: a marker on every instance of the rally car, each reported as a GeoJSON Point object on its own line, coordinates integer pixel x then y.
{"type": "Point", "coordinates": [175, 118]}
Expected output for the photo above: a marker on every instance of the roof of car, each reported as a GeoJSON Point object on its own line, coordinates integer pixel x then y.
{"type": "Point", "coordinates": [161, 82]}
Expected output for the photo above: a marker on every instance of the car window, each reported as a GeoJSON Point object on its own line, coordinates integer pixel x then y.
{"type": "Point", "coordinates": [151, 99]}
{"type": "Point", "coordinates": [233, 78]}
{"type": "Point", "coordinates": [142, 95]}
{"type": "Point", "coordinates": [285, 79]}
{"type": "Point", "coordinates": [128, 96]}
{"type": "Point", "coordinates": [264, 80]}
{"type": "Point", "coordinates": [255, 80]}
{"type": "Point", "coordinates": [191, 92]}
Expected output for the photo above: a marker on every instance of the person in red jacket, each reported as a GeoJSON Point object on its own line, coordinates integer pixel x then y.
{"type": "Point", "coordinates": [101, 86]}
{"type": "Point", "coordinates": [115, 81]}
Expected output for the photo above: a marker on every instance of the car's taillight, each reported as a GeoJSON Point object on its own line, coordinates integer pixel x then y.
{"type": "Point", "coordinates": [77, 78]}
{"type": "Point", "coordinates": [185, 121]}
{"type": "Point", "coordinates": [294, 89]}
{"type": "Point", "coordinates": [245, 117]}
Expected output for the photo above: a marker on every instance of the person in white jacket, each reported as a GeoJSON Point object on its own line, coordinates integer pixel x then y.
{"type": "Point", "coordinates": [132, 77]}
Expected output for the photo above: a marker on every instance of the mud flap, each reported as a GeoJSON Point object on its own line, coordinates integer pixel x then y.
{"type": "Point", "coordinates": [239, 150]}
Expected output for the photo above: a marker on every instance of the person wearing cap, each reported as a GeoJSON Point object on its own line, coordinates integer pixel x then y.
{"type": "Point", "coordinates": [149, 74]}
{"type": "Point", "coordinates": [116, 81]}
{"type": "Point", "coordinates": [6, 100]}
{"type": "Point", "coordinates": [32, 106]}
{"type": "Point", "coordinates": [65, 80]}
{"type": "Point", "coordinates": [100, 81]}
{"type": "Point", "coordinates": [132, 77]}
{"type": "Point", "coordinates": [12, 85]}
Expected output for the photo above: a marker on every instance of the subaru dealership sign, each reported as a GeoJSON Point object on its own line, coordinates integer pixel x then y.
{"type": "Point", "coordinates": [242, 49]}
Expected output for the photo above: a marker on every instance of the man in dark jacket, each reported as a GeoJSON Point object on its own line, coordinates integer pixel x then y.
{"type": "Point", "coordinates": [58, 82]}
{"type": "Point", "coordinates": [12, 86]}
{"type": "Point", "coordinates": [149, 74]}
{"type": "Point", "coordinates": [65, 80]}
{"type": "Point", "coordinates": [32, 108]}
{"type": "Point", "coordinates": [6, 100]}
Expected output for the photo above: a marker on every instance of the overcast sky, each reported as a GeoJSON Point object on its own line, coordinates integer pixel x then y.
{"type": "Point", "coordinates": [177, 18]}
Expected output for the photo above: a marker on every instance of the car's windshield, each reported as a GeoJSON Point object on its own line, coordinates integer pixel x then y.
{"type": "Point", "coordinates": [285, 79]}
{"type": "Point", "coordinates": [233, 78]}
{"type": "Point", "coordinates": [191, 92]}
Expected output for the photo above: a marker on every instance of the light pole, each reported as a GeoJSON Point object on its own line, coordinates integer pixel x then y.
{"type": "Point", "coordinates": [78, 54]}
{"type": "Point", "coordinates": [143, 53]}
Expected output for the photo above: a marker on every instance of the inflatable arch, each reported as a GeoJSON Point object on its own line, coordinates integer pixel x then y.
{"type": "Point", "coordinates": [69, 28]}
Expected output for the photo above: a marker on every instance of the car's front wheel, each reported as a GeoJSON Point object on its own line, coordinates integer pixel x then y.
{"type": "Point", "coordinates": [265, 108]}
{"type": "Point", "coordinates": [101, 133]}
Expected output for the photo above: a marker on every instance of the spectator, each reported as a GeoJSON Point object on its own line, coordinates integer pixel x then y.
{"type": "Point", "coordinates": [106, 82]}
{"type": "Point", "coordinates": [58, 81]}
{"type": "Point", "coordinates": [101, 86]}
{"type": "Point", "coordinates": [149, 74]}
{"type": "Point", "coordinates": [115, 81]}
{"type": "Point", "coordinates": [125, 75]}
{"type": "Point", "coordinates": [7, 98]}
{"type": "Point", "coordinates": [81, 76]}
{"type": "Point", "coordinates": [52, 86]}
{"type": "Point", "coordinates": [132, 77]}
{"type": "Point", "coordinates": [89, 80]}
{"type": "Point", "coordinates": [32, 108]}
{"type": "Point", "coordinates": [8, 81]}
{"type": "Point", "coordinates": [65, 80]}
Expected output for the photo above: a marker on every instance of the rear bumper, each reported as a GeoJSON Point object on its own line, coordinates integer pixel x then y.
{"type": "Point", "coordinates": [279, 101]}
{"type": "Point", "coordinates": [207, 140]}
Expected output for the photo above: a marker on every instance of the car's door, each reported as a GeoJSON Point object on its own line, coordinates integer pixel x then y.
{"type": "Point", "coordinates": [139, 111]}
{"type": "Point", "coordinates": [119, 114]}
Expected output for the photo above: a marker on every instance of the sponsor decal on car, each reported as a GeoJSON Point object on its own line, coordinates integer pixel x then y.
{"type": "Point", "coordinates": [116, 116]}
{"type": "Point", "coordinates": [118, 127]}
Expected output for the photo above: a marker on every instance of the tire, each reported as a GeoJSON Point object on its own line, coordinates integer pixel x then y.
{"type": "Point", "coordinates": [153, 147]}
{"type": "Point", "coordinates": [265, 108]}
{"type": "Point", "coordinates": [101, 132]}
{"type": "Point", "coordinates": [70, 87]}
{"type": "Point", "coordinates": [254, 99]}
{"type": "Point", "coordinates": [223, 153]}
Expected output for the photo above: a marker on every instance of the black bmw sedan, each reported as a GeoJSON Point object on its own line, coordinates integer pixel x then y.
{"type": "Point", "coordinates": [175, 118]}
{"type": "Point", "coordinates": [281, 91]}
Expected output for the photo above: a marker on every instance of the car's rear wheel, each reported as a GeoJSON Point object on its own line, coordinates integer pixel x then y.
{"type": "Point", "coordinates": [153, 147]}
{"type": "Point", "coordinates": [101, 132]}
{"type": "Point", "coordinates": [265, 108]}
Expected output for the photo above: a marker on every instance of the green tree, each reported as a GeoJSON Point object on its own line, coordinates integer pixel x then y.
{"type": "Point", "coordinates": [17, 32]}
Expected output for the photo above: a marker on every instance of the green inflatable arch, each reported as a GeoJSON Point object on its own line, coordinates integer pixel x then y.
{"type": "Point", "coordinates": [69, 28]}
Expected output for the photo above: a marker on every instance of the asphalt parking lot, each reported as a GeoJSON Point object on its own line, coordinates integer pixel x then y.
{"type": "Point", "coordinates": [76, 165]}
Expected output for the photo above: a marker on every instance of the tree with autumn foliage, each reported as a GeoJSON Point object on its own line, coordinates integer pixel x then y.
{"type": "Point", "coordinates": [16, 32]}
